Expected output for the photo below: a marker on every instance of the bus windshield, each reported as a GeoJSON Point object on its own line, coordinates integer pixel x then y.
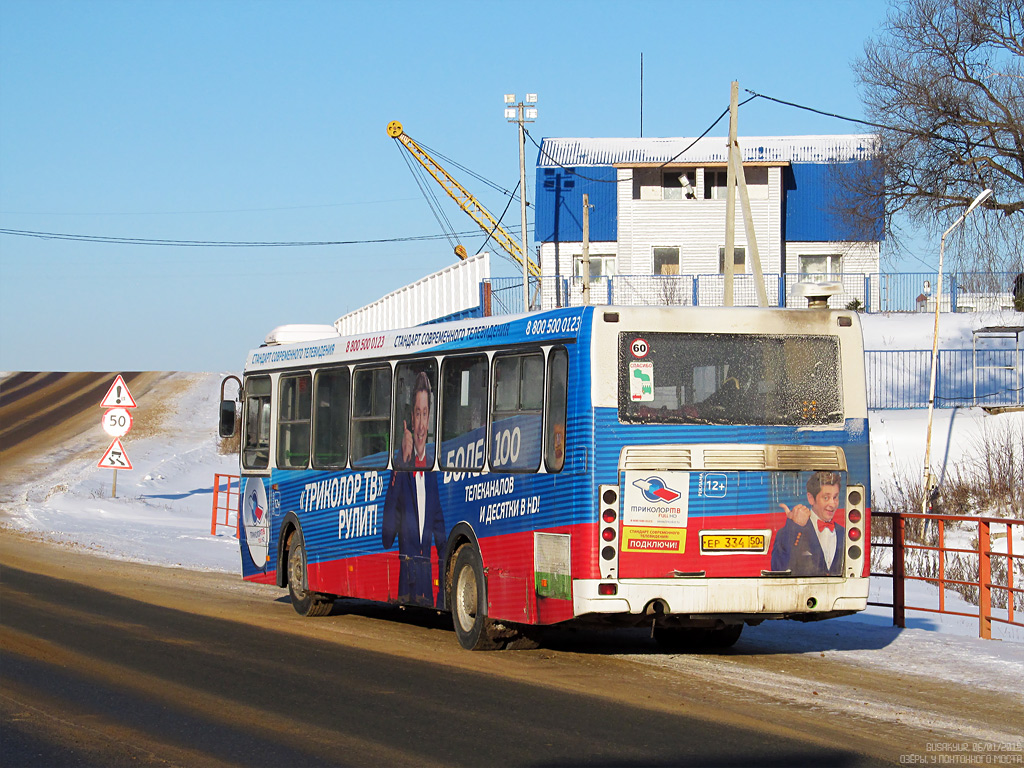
{"type": "Point", "coordinates": [721, 378]}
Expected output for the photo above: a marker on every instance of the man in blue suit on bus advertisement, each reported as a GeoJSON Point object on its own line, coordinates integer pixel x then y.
{"type": "Point", "coordinates": [412, 508]}
{"type": "Point", "coordinates": [811, 543]}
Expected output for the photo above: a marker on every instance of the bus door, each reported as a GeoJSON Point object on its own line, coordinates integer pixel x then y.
{"type": "Point", "coordinates": [254, 501]}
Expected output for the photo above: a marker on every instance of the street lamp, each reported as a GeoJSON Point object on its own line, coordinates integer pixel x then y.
{"type": "Point", "coordinates": [521, 113]}
{"type": "Point", "coordinates": [985, 195]}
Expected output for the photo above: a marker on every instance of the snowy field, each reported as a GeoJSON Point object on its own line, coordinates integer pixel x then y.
{"type": "Point", "coordinates": [161, 515]}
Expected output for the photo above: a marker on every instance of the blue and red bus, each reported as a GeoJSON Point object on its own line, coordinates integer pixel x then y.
{"type": "Point", "coordinates": [688, 469]}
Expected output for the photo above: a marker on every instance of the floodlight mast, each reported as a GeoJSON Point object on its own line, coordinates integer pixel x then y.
{"type": "Point", "coordinates": [520, 113]}
{"type": "Point", "coordinates": [928, 479]}
{"type": "Point", "coordinates": [466, 201]}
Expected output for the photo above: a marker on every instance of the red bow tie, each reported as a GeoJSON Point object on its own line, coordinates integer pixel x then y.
{"type": "Point", "coordinates": [822, 525]}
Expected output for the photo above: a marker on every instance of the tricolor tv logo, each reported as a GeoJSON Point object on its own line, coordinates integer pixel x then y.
{"type": "Point", "coordinates": [654, 489]}
{"type": "Point", "coordinates": [256, 511]}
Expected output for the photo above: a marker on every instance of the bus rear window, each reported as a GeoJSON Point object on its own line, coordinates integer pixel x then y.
{"type": "Point", "coordinates": [719, 378]}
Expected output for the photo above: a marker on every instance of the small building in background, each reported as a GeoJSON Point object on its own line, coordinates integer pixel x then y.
{"type": "Point", "coordinates": [657, 217]}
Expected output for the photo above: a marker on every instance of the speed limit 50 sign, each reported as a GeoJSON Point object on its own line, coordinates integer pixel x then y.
{"type": "Point", "coordinates": [117, 422]}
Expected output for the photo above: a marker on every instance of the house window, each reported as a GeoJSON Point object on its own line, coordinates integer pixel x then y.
{"type": "Point", "coordinates": [820, 267]}
{"type": "Point", "coordinates": [679, 184]}
{"type": "Point", "coordinates": [715, 183]}
{"type": "Point", "coordinates": [666, 260]}
{"type": "Point", "coordinates": [739, 259]}
{"type": "Point", "coordinates": [600, 266]}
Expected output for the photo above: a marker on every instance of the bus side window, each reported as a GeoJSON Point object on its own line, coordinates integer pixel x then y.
{"type": "Point", "coordinates": [517, 413]}
{"type": "Point", "coordinates": [558, 379]}
{"type": "Point", "coordinates": [371, 417]}
{"type": "Point", "coordinates": [415, 388]}
{"type": "Point", "coordinates": [463, 413]}
{"type": "Point", "coordinates": [330, 419]}
{"type": "Point", "coordinates": [293, 420]}
{"type": "Point", "coordinates": [256, 440]}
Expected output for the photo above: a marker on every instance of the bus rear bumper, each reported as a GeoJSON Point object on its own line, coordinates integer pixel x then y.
{"type": "Point", "coordinates": [771, 597]}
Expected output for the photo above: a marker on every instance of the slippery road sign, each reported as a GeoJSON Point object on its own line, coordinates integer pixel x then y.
{"type": "Point", "coordinates": [118, 395]}
{"type": "Point", "coordinates": [115, 457]}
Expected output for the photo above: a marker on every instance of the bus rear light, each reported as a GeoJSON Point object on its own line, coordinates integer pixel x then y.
{"type": "Point", "coordinates": [607, 589]}
{"type": "Point", "coordinates": [608, 523]}
{"type": "Point", "coordinates": [855, 532]}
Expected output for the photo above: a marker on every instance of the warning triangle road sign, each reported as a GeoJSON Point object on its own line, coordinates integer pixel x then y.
{"type": "Point", "coordinates": [115, 457]}
{"type": "Point", "coordinates": [118, 395]}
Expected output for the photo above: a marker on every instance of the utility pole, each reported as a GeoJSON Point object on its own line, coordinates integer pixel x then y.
{"type": "Point", "coordinates": [737, 180]}
{"type": "Point", "coordinates": [521, 113]}
{"type": "Point", "coordinates": [728, 260]}
{"type": "Point", "coordinates": [585, 266]}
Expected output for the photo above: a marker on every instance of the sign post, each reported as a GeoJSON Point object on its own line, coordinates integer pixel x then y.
{"type": "Point", "coordinates": [116, 422]}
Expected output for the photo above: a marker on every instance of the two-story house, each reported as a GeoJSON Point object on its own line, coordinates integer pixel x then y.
{"type": "Point", "coordinates": [658, 213]}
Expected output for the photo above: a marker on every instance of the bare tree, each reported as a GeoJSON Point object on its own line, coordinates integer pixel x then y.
{"type": "Point", "coordinates": [945, 80]}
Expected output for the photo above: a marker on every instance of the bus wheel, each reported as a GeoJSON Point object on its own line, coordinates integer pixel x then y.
{"type": "Point", "coordinates": [723, 637]}
{"type": "Point", "coordinates": [305, 602]}
{"type": "Point", "coordinates": [697, 638]}
{"type": "Point", "coordinates": [468, 602]}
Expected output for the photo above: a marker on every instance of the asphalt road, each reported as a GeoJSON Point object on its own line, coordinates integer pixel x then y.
{"type": "Point", "coordinates": [116, 664]}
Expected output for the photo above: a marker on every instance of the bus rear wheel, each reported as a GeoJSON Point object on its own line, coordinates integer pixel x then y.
{"type": "Point", "coordinates": [305, 602]}
{"type": "Point", "coordinates": [467, 600]}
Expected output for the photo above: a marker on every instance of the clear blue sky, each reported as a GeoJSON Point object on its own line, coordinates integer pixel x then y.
{"type": "Point", "coordinates": [265, 121]}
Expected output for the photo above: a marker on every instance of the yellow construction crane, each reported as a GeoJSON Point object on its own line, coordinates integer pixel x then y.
{"type": "Point", "coordinates": [466, 201]}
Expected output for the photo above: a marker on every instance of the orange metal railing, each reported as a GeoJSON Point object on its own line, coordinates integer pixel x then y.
{"type": "Point", "coordinates": [995, 576]}
{"type": "Point", "coordinates": [225, 503]}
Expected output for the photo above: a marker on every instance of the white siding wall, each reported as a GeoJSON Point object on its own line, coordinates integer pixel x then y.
{"type": "Point", "coordinates": [696, 227]}
{"type": "Point", "coordinates": [855, 257]}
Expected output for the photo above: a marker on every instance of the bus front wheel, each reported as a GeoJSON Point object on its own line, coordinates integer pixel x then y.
{"type": "Point", "coordinates": [305, 602]}
{"type": "Point", "coordinates": [468, 602]}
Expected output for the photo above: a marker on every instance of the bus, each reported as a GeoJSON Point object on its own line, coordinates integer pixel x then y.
{"type": "Point", "coordinates": [685, 469]}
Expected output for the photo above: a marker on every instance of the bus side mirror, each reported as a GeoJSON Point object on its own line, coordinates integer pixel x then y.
{"type": "Point", "coordinates": [227, 418]}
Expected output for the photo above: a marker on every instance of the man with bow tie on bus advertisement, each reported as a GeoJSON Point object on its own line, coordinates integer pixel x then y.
{"type": "Point", "coordinates": [412, 509]}
{"type": "Point", "coordinates": [813, 540]}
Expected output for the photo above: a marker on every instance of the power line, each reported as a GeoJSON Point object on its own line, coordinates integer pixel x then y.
{"type": "Point", "coordinates": [115, 240]}
{"type": "Point", "coordinates": [881, 126]}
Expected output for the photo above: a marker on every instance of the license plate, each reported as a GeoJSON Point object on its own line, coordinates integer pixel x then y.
{"type": "Point", "coordinates": [732, 543]}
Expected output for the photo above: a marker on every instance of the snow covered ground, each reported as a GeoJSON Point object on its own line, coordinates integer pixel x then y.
{"type": "Point", "coordinates": [162, 512]}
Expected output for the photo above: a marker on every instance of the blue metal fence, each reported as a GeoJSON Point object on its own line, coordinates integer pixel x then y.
{"type": "Point", "coordinates": [901, 378]}
{"type": "Point", "coordinates": [869, 292]}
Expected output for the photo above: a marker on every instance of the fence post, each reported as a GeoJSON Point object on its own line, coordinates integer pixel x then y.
{"type": "Point", "coordinates": [985, 581]}
{"type": "Point", "coordinates": [216, 493]}
{"type": "Point", "coordinates": [898, 573]}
